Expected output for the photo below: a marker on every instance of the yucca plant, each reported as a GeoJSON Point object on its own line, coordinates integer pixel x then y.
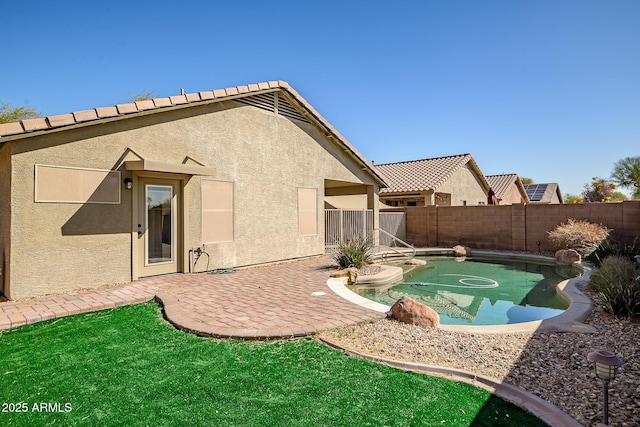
{"type": "Point", "coordinates": [611, 247]}
{"type": "Point", "coordinates": [617, 284]}
{"type": "Point", "coordinates": [354, 252]}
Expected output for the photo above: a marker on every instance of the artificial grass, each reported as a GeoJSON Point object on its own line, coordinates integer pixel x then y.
{"type": "Point", "coordinates": [127, 366]}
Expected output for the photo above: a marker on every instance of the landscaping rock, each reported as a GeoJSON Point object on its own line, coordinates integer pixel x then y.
{"type": "Point", "coordinates": [461, 251]}
{"type": "Point", "coordinates": [551, 365]}
{"type": "Point", "coordinates": [350, 273]}
{"type": "Point", "coordinates": [414, 261]}
{"type": "Point", "coordinates": [408, 310]}
{"type": "Point", "coordinates": [567, 256]}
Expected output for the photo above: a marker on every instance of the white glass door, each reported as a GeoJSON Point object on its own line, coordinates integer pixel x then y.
{"type": "Point", "coordinates": [158, 245]}
{"type": "Point", "coordinates": [160, 233]}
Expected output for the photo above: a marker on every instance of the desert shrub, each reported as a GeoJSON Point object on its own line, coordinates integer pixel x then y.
{"type": "Point", "coordinates": [354, 253]}
{"type": "Point", "coordinates": [583, 236]}
{"type": "Point", "coordinates": [617, 285]}
{"type": "Point", "coordinates": [612, 247]}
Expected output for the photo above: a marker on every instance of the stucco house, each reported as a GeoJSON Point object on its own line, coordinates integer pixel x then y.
{"type": "Point", "coordinates": [444, 181]}
{"type": "Point", "coordinates": [544, 193]}
{"type": "Point", "coordinates": [113, 194]}
{"type": "Point", "coordinates": [508, 188]}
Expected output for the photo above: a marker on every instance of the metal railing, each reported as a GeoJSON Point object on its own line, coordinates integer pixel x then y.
{"type": "Point", "coordinates": [394, 239]}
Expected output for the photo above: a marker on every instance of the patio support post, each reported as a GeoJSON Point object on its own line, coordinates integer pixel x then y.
{"type": "Point", "coordinates": [373, 202]}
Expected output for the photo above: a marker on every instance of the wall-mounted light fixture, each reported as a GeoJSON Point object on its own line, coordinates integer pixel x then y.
{"type": "Point", "coordinates": [606, 364]}
{"type": "Point", "coordinates": [128, 183]}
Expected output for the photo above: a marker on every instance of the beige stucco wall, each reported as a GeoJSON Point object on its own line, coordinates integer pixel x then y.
{"type": "Point", "coordinates": [5, 215]}
{"type": "Point", "coordinates": [59, 247]}
{"type": "Point", "coordinates": [512, 196]}
{"type": "Point", "coordinates": [357, 201]}
{"type": "Point", "coordinates": [464, 185]}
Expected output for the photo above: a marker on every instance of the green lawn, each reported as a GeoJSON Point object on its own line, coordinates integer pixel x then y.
{"type": "Point", "coordinates": [127, 366]}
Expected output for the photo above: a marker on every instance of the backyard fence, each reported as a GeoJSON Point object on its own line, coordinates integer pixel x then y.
{"type": "Point", "coordinates": [516, 227]}
{"type": "Point", "coordinates": [343, 224]}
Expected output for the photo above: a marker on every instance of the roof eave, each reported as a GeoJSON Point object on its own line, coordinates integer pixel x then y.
{"type": "Point", "coordinates": [27, 129]}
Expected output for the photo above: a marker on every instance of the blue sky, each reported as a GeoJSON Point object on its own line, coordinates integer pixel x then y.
{"type": "Point", "coordinates": [546, 89]}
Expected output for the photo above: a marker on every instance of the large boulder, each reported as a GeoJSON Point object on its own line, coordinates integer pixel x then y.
{"type": "Point", "coordinates": [567, 256]}
{"type": "Point", "coordinates": [410, 311]}
{"type": "Point", "coordinates": [460, 251]}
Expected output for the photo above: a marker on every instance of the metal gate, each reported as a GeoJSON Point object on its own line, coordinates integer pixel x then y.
{"type": "Point", "coordinates": [393, 223]}
{"type": "Point", "coordinates": [343, 224]}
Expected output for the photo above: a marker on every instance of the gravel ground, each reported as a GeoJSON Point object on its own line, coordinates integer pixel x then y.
{"type": "Point", "coordinates": [553, 366]}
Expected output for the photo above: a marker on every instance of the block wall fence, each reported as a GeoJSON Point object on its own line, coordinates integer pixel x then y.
{"type": "Point", "coordinates": [518, 227]}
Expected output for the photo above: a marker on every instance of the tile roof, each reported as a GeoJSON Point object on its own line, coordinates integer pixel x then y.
{"type": "Point", "coordinates": [502, 182]}
{"type": "Point", "coordinates": [26, 128]}
{"type": "Point", "coordinates": [425, 174]}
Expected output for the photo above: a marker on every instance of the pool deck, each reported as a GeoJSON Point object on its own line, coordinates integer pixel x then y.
{"type": "Point", "coordinates": [285, 300]}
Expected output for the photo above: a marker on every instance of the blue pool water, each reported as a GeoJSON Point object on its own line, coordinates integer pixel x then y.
{"type": "Point", "coordinates": [478, 291]}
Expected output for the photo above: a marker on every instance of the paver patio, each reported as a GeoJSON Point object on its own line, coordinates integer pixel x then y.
{"type": "Point", "coordinates": [275, 301]}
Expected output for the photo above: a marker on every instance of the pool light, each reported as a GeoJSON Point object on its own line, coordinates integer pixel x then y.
{"type": "Point", "coordinates": [606, 364]}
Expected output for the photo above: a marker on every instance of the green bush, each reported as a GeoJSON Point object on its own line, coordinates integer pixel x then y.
{"type": "Point", "coordinates": [354, 253]}
{"type": "Point", "coordinates": [612, 247]}
{"type": "Point", "coordinates": [617, 284]}
{"type": "Point", "coordinates": [583, 236]}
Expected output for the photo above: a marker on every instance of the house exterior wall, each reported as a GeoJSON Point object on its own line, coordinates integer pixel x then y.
{"type": "Point", "coordinates": [464, 185]}
{"type": "Point", "coordinates": [5, 215]}
{"type": "Point", "coordinates": [511, 196]}
{"type": "Point", "coordinates": [555, 199]}
{"type": "Point", "coordinates": [59, 247]}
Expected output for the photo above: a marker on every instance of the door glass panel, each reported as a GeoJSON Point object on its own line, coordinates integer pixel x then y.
{"type": "Point", "coordinates": [159, 233]}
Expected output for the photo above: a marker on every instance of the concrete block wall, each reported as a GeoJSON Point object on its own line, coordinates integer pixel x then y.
{"type": "Point", "coordinates": [631, 221]}
{"type": "Point", "coordinates": [540, 219]}
{"type": "Point", "coordinates": [517, 227]}
{"type": "Point", "coordinates": [484, 227]}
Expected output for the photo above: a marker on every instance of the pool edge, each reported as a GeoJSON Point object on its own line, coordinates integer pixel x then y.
{"type": "Point", "coordinates": [571, 320]}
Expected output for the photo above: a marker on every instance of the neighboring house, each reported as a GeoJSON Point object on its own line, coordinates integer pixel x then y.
{"type": "Point", "coordinates": [444, 181]}
{"type": "Point", "coordinates": [508, 188]}
{"type": "Point", "coordinates": [544, 193]}
{"type": "Point", "coordinates": [113, 194]}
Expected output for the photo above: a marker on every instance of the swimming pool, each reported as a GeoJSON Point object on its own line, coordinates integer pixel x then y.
{"type": "Point", "coordinates": [480, 291]}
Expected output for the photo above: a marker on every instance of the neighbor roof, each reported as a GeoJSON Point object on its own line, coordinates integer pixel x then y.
{"type": "Point", "coordinates": [425, 174]}
{"type": "Point", "coordinates": [500, 184]}
{"type": "Point", "coordinates": [543, 193]}
{"type": "Point", "coordinates": [38, 126]}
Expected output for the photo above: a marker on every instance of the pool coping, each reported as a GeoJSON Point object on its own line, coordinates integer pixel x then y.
{"type": "Point", "coordinates": [538, 407]}
{"type": "Point", "coordinates": [571, 320]}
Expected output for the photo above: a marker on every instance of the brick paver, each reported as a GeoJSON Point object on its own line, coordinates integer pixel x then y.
{"type": "Point", "coordinates": [273, 301]}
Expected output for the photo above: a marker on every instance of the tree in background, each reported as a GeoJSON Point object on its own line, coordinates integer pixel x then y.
{"type": "Point", "coordinates": [526, 181]}
{"type": "Point", "coordinates": [10, 114]}
{"type": "Point", "coordinates": [619, 196]}
{"type": "Point", "coordinates": [144, 95]}
{"type": "Point", "coordinates": [600, 190]}
{"type": "Point", "coordinates": [626, 173]}
{"type": "Point", "coordinates": [572, 199]}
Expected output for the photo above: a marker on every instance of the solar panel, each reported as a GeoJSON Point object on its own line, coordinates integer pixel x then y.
{"type": "Point", "coordinates": [535, 191]}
